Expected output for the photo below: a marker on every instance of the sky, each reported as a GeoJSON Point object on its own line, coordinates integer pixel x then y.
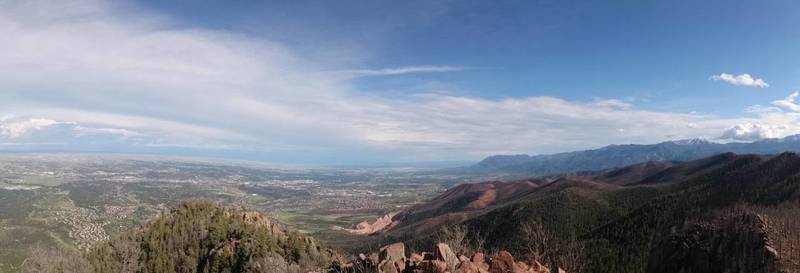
{"type": "Point", "coordinates": [358, 82]}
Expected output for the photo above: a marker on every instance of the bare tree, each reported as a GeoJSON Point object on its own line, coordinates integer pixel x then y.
{"type": "Point", "coordinates": [537, 241]}
{"type": "Point", "coordinates": [543, 246]}
{"type": "Point", "coordinates": [455, 236]}
{"type": "Point", "coordinates": [572, 255]}
{"type": "Point", "coordinates": [478, 242]}
{"type": "Point", "coordinates": [784, 232]}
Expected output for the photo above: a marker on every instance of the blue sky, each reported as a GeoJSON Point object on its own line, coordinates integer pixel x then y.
{"type": "Point", "coordinates": [333, 82]}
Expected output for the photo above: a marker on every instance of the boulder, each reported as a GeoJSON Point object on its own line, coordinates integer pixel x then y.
{"type": "Point", "coordinates": [392, 259]}
{"type": "Point", "coordinates": [539, 268]}
{"type": "Point", "coordinates": [503, 262]}
{"type": "Point", "coordinates": [415, 258]}
{"type": "Point", "coordinates": [373, 258]}
{"type": "Point", "coordinates": [393, 252]}
{"type": "Point", "coordinates": [439, 266]}
{"type": "Point", "coordinates": [521, 267]}
{"type": "Point", "coordinates": [432, 266]}
{"type": "Point", "coordinates": [480, 261]}
{"type": "Point", "coordinates": [401, 266]}
{"type": "Point", "coordinates": [444, 253]}
{"type": "Point", "coordinates": [387, 266]}
{"type": "Point", "coordinates": [478, 258]}
{"type": "Point", "coordinates": [466, 267]}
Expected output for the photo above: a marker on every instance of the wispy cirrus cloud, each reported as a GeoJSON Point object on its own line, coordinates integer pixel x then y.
{"type": "Point", "coordinates": [740, 80]}
{"type": "Point", "coordinates": [83, 74]}
{"type": "Point", "coordinates": [402, 70]}
{"type": "Point", "coordinates": [789, 102]}
{"type": "Point", "coordinates": [613, 103]}
{"type": "Point", "coordinates": [37, 133]}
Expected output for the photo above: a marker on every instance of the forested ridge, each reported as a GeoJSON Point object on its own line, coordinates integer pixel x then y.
{"type": "Point", "coordinates": [725, 213]}
{"type": "Point", "coordinates": [196, 236]}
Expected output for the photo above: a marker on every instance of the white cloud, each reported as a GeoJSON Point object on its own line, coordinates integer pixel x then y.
{"type": "Point", "coordinates": [612, 103]}
{"type": "Point", "coordinates": [740, 80]}
{"type": "Point", "coordinates": [100, 78]}
{"type": "Point", "coordinates": [402, 70]}
{"type": "Point", "coordinates": [15, 128]}
{"type": "Point", "coordinates": [81, 131]}
{"type": "Point", "coordinates": [478, 126]}
{"type": "Point", "coordinates": [43, 133]}
{"type": "Point", "coordinates": [751, 132]}
{"type": "Point", "coordinates": [789, 102]}
{"type": "Point", "coordinates": [105, 68]}
{"type": "Point", "coordinates": [780, 120]}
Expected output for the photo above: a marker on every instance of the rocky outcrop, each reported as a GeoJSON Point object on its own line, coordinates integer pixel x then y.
{"type": "Point", "coordinates": [503, 262]}
{"type": "Point", "coordinates": [257, 218]}
{"type": "Point", "coordinates": [392, 259]}
{"type": "Point", "coordinates": [444, 253]}
{"type": "Point", "coordinates": [384, 222]}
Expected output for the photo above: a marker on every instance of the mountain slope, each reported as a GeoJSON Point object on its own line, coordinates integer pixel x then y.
{"type": "Point", "coordinates": [748, 181]}
{"type": "Point", "coordinates": [719, 212]}
{"type": "Point", "coordinates": [622, 155]}
{"type": "Point", "coordinates": [457, 204]}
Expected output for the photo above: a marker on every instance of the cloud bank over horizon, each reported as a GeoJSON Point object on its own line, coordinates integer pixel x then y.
{"type": "Point", "coordinates": [88, 77]}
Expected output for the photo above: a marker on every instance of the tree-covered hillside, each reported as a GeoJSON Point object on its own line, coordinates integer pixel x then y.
{"type": "Point", "coordinates": [196, 236]}
{"type": "Point", "coordinates": [725, 213]}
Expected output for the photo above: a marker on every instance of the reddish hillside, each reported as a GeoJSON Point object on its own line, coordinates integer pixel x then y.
{"type": "Point", "coordinates": [456, 204]}
{"type": "Point", "coordinates": [632, 219]}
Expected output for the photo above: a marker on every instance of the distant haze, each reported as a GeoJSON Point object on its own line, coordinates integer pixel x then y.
{"type": "Point", "coordinates": [615, 156]}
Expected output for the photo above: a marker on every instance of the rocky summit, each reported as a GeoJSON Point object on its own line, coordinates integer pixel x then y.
{"type": "Point", "coordinates": [392, 259]}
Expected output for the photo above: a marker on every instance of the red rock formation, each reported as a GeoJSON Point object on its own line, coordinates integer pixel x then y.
{"type": "Point", "coordinates": [382, 223]}
{"type": "Point", "coordinates": [503, 262]}
{"type": "Point", "coordinates": [392, 259]}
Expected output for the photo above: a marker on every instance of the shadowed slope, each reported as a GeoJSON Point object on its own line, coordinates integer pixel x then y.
{"type": "Point", "coordinates": [626, 218]}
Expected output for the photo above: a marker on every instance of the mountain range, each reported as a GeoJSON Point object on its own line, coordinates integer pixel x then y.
{"type": "Point", "coordinates": [723, 213]}
{"type": "Point", "coordinates": [613, 156]}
